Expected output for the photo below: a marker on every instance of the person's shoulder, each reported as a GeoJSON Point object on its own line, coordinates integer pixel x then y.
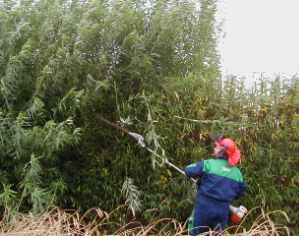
{"type": "Point", "coordinates": [238, 174]}
{"type": "Point", "coordinates": [195, 164]}
{"type": "Point", "coordinates": [210, 164]}
{"type": "Point", "coordinates": [208, 161]}
{"type": "Point", "coordinates": [237, 169]}
{"type": "Point", "coordinates": [215, 162]}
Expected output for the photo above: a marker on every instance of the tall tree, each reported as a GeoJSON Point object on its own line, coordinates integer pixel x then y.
{"type": "Point", "coordinates": [208, 56]}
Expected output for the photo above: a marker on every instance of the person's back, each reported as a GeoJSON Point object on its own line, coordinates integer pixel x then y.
{"type": "Point", "coordinates": [220, 183]}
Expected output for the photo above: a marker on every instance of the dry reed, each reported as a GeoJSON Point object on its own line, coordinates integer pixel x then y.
{"type": "Point", "coordinates": [60, 222]}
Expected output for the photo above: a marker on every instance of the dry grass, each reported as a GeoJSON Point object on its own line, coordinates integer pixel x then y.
{"type": "Point", "coordinates": [97, 222]}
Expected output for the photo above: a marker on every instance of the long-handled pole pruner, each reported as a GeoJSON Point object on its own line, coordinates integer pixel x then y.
{"type": "Point", "coordinates": [237, 212]}
{"type": "Point", "coordinates": [140, 141]}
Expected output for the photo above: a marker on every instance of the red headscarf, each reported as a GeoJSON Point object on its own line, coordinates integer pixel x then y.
{"type": "Point", "coordinates": [231, 150]}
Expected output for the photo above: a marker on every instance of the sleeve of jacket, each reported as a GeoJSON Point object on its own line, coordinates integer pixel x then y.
{"type": "Point", "coordinates": [195, 169]}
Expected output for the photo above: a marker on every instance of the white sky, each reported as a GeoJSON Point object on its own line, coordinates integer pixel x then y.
{"type": "Point", "coordinates": [259, 36]}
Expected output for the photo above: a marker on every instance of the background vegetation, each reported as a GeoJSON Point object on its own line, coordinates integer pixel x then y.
{"type": "Point", "coordinates": [149, 66]}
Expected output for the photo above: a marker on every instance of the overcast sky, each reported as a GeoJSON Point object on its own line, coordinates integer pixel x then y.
{"type": "Point", "coordinates": [259, 36]}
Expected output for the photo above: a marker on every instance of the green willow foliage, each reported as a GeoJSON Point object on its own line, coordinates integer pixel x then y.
{"type": "Point", "coordinates": [148, 66]}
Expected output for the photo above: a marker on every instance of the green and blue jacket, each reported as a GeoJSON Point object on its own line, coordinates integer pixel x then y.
{"type": "Point", "coordinates": [218, 180]}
